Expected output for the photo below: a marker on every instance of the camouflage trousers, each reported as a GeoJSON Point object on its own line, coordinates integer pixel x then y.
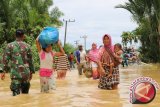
{"type": "Point", "coordinates": [20, 83]}
{"type": "Point", "coordinates": [19, 87]}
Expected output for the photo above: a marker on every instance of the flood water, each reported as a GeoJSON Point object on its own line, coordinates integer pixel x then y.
{"type": "Point", "coordinates": [78, 91]}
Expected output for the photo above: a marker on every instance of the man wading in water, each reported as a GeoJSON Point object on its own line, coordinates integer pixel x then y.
{"type": "Point", "coordinates": [19, 55]}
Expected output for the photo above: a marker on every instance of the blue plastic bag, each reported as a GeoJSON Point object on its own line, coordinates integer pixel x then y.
{"type": "Point", "coordinates": [49, 35]}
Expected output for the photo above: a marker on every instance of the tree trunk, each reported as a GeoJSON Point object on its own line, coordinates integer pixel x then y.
{"type": "Point", "coordinates": [159, 35]}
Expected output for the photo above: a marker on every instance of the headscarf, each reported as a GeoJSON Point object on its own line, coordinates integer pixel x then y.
{"type": "Point", "coordinates": [94, 50]}
{"type": "Point", "coordinates": [103, 55]}
{"type": "Point", "coordinates": [93, 53]}
{"type": "Point", "coordinates": [109, 46]}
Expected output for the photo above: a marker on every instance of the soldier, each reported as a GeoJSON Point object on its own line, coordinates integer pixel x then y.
{"type": "Point", "coordinates": [18, 53]}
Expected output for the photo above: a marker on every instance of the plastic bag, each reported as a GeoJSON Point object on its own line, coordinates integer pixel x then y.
{"type": "Point", "coordinates": [49, 35]}
{"type": "Point", "coordinates": [88, 71]}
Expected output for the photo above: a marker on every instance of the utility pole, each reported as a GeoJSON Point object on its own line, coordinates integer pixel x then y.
{"type": "Point", "coordinates": [76, 42]}
{"type": "Point", "coordinates": [66, 22]}
{"type": "Point", "coordinates": [84, 37]}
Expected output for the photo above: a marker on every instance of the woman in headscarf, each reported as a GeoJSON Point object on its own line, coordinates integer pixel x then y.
{"type": "Point", "coordinates": [109, 71]}
{"type": "Point", "coordinates": [93, 56]}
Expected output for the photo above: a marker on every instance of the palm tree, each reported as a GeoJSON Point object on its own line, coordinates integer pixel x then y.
{"type": "Point", "coordinates": [124, 38]}
{"type": "Point", "coordinates": [147, 15]}
{"type": "Point", "coordinates": [129, 37]}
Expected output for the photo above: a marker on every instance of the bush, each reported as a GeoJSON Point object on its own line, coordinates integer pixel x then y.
{"type": "Point", "coordinates": [35, 56]}
{"type": "Point", "coordinates": [2, 47]}
{"type": "Point", "coordinates": [68, 48]}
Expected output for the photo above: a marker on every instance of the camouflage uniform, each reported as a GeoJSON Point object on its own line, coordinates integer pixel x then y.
{"type": "Point", "coordinates": [18, 55]}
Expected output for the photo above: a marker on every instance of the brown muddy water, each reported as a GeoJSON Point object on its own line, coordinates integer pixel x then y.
{"type": "Point", "coordinates": [78, 91]}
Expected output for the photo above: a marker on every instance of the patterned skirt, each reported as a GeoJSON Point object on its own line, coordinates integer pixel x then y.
{"type": "Point", "coordinates": [47, 84]}
{"type": "Point", "coordinates": [107, 83]}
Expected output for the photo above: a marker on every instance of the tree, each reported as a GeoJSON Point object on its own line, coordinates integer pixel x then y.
{"type": "Point", "coordinates": [68, 48]}
{"type": "Point", "coordinates": [30, 15]}
{"type": "Point", "coordinates": [129, 37]}
{"type": "Point", "coordinates": [55, 15]}
{"type": "Point", "coordinates": [147, 15]}
{"type": "Point", "coordinates": [26, 14]}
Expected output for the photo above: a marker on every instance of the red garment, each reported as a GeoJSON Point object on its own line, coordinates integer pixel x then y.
{"type": "Point", "coordinates": [45, 72]}
{"type": "Point", "coordinates": [71, 57]}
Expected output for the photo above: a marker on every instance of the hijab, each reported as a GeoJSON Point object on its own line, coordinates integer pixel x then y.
{"type": "Point", "coordinates": [109, 46]}
{"type": "Point", "coordinates": [93, 53]}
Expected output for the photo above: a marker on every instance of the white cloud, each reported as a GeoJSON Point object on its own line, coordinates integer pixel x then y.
{"type": "Point", "coordinates": [94, 18]}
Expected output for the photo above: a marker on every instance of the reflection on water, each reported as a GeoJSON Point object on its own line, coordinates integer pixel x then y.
{"type": "Point", "coordinates": [78, 91]}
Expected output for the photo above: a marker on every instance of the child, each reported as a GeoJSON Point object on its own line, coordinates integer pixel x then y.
{"type": "Point", "coordinates": [118, 52]}
{"type": "Point", "coordinates": [46, 65]}
{"type": "Point", "coordinates": [71, 60]}
{"type": "Point", "coordinates": [62, 65]}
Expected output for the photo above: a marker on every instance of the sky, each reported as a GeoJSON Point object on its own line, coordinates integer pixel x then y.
{"type": "Point", "coordinates": [94, 18]}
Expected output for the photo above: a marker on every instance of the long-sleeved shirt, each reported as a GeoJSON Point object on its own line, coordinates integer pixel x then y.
{"type": "Point", "coordinates": [18, 57]}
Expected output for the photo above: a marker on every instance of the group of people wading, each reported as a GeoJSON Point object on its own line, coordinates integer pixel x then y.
{"type": "Point", "coordinates": [103, 61]}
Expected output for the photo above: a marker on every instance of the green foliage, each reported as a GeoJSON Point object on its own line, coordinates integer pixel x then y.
{"type": "Point", "coordinates": [68, 48]}
{"type": "Point", "coordinates": [35, 57]}
{"type": "Point", "coordinates": [30, 15]}
{"type": "Point", "coordinates": [30, 40]}
{"type": "Point", "coordinates": [2, 47]}
{"type": "Point", "coordinates": [55, 48]}
{"type": "Point", "coordinates": [147, 15]}
{"type": "Point", "coordinates": [55, 14]}
{"type": "Point", "coordinates": [129, 37]}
